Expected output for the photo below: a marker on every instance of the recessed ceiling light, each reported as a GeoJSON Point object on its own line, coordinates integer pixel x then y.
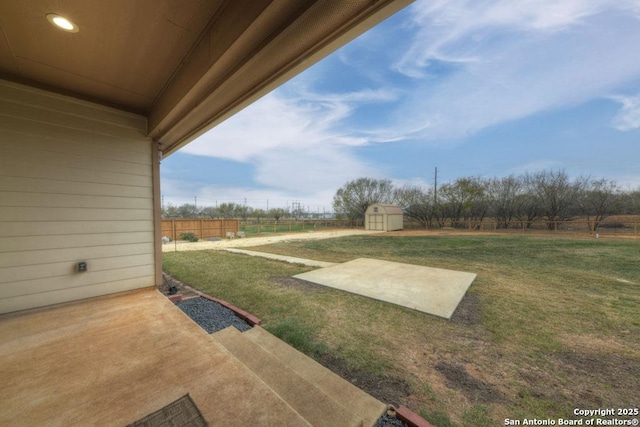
{"type": "Point", "coordinates": [62, 23]}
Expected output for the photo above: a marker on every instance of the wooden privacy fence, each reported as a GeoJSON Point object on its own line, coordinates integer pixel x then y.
{"type": "Point", "coordinates": [203, 228]}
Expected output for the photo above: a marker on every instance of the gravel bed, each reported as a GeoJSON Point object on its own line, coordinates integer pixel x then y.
{"type": "Point", "coordinates": [211, 316]}
{"type": "Point", "coordinates": [389, 421]}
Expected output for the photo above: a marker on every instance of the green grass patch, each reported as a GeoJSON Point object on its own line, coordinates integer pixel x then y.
{"type": "Point", "coordinates": [478, 416]}
{"type": "Point", "coordinates": [300, 335]}
{"type": "Point", "coordinates": [557, 319]}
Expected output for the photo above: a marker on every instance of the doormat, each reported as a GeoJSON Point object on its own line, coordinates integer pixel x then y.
{"type": "Point", "coordinates": [181, 413]}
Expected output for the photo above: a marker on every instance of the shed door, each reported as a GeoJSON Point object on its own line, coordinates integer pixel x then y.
{"type": "Point", "coordinates": [376, 222]}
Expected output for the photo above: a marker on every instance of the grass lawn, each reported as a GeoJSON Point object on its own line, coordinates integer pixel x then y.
{"type": "Point", "coordinates": [549, 325]}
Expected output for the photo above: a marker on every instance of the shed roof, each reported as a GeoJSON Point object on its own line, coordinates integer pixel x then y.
{"type": "Point", "coordinates": [386, 208]}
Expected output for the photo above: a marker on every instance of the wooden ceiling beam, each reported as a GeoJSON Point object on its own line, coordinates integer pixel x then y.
{"type": "Point", "coordinates": [285, 39]}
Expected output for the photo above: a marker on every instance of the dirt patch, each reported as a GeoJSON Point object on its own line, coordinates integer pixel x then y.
{"type": "Point", "coordinates": [468, 312]}
{"type": "Point", "coordinates": [588, 368]}
{"type": "Point", "coordinates": [303, 286]}
{"type": "Point", "coordinates": [474, 389]}
{"type": "Point", "coordinates": [386, 388]}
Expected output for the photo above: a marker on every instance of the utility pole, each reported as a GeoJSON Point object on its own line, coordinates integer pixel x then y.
{"type": "Point", "coordinates": [435, 188]}
{"type": "Point", "coordinates": [195, 202]}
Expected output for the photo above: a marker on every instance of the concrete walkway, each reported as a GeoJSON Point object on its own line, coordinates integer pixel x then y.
{"type": "Point", "coordinates": [290, 259]}
{"type": "Point", "coordinates": [259, 241]}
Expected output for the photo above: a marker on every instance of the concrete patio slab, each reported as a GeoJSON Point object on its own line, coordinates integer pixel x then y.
{"type": "Point", "coordinates": [116, 359]}
{"type": "Point", "coordinates": [431, 290]}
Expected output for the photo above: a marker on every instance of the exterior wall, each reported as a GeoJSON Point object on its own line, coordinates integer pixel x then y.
{"type": "Point", "coordinates": [76, 184]}
{"type": "Point", "coordinates": [395, 222]}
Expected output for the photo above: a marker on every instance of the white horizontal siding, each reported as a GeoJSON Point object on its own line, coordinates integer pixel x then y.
{"type": "Point", "coordinates": [49, 200]}
{"type": "Point", "coordinates": [24, 302]}
{"type": "Point", "coordinates": [28, 243]}
{"type": "Point", "coordinates": [19, 275]}
{"type": "Point", "coordinates": [36, 185]}
{"type": "Point", "coordinates": [70, 255]}
{"type": "Point", "coordinates": [70, 228]}
{"type": "Point", "coordinates": [55, 139]}
{"type": "Point", "coordinates": [75, 185]}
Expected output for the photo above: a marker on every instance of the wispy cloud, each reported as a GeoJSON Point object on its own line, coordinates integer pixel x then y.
{"type": "Point", "coordinates": [445, 71]}
{"type": "Point", "coordinates": [299, 144]}
{"type": "Point", "coordinates": [508, 60]}
{"type": "Point", "coordinates": [629, 116]}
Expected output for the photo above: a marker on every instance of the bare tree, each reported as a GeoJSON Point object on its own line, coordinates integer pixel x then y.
{"type": "Point", "coordinates": [259, 213]}
{"type": "Point", "coordinates": [464, 200]}
{"type": "Point", "coordinates": [556, 195]}
{"type": "Point", "coordinates": [188, 211]}
{"type": "Point", "coordinates": [599, 199]}
{"type": "Point", "coordinates": [277, 213]}
{"type": "Point", "coordinates": [505, 203]}
{"type": "Point", "coordinates": [527, 208]}
{"type": "Point", "coordinates": [227, 210]}
{"type": "Point", "coordinates": [209, 212]}
{"type": "Point", "coordinates": [353, 199]}
{"type": "Point", "coordinates": [417, 204]}
{"type": "Point", "coordinates": [630, 202]}
{"type": "Point", "coordinates": [170, 211]}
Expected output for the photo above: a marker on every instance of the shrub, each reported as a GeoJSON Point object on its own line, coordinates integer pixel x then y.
{"type": "Point", "coordinates": [190, 237]}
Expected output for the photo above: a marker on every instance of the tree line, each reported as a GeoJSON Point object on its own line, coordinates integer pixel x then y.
{"type": "Point", "coordinates": [547, 195]}
{"type": "Point", "coordinates": [224, 210]}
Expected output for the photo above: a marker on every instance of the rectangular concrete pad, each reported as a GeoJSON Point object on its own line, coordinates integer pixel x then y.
{"type": "Point", "coordinates": [431, 290]}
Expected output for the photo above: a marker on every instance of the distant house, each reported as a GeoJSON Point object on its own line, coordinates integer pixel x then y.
{"type": "Point", "coordinates": [383, 217]}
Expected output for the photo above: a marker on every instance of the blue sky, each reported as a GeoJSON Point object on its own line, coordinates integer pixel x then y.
{"type": "Point", "coordinates": [474, 88]}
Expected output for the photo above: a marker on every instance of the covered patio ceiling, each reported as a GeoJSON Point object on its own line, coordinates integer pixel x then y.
{"type": "Point", "coordinates": [186, 65]}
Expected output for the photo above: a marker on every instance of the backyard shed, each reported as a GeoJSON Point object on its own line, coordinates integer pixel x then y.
{"type": "Point", "coordinates": [383, 217]}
